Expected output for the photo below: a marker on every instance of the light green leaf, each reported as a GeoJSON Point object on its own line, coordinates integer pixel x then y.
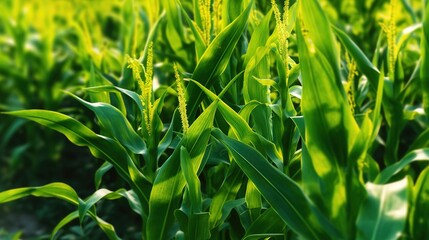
{"type": "Point", "coordinates": [56, 190]}
{"type": "Point", "coordinates": [86, 205]}
{"type": "Point", "coordinates": [98, 176]}
{"type": "Point", "coordinates": [259, 37]}
{"type": "Point", "coordinates": [66, 220]}
{"type": "Point", "coordinates": [133, 95]}
{"type": "Point", "coordinates": [253, 200]}
{"type": "Point", "coordinates": [241, 130]}
{"type": "Point", "coordinates": [199, 43]}
{"type": "Point", "coordinates": [384, 212]}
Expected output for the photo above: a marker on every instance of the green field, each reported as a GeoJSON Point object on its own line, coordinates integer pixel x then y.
{"type": "Point", "coordinates": [214, 119]}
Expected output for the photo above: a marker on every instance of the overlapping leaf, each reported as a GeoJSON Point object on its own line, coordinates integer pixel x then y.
{"type": "Point", "coordinates": [215, 60]}
{"type": "Point", "coordinates": [168, 186]}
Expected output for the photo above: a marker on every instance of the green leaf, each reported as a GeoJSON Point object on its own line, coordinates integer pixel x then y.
{"type": "Point", "coordinates": [133, 95]}
{"type": "Point", "coordinates": [199, 226]}
{"type": "Point", "coordinates": [424, 68]}
{"type": "Point", "coordinates": [392, 170]}
{"type": "Point", "coordinates": [241, 130]}
{"type": "Point", "coordinates": [98, 176]}
{"type": "Point", "coordinates": [175, 32]}
{"type": "Point", "coordinates": [199, 43]}
{"type": "Point", "coordinates": [66, 220]}
{"type": "Point", "coordinates": [419, 225]}
{"type": "Point", "coordinates": [192, 181]}
{"type": "Point", "coordinates": [101, 147]}
{"type": "Point", "coordinates": [95, 79]}
{"type": "Point", "coordinates": [384, 212]}
{"type": "Point", "coordinates": [253, 200]}
{"type": "Point", "coordinates": [269, 224]}
{"type": "Point", "coordinates": [106, 227]}
{"type": "Point", "coordinates": [168, 185]}
{"type": "Point", "coordinates": [330, 128]}
{"type": "Point", "coordinates": [259, 37]}
{"type": "Point", "coordinates": [282, 193]}
{"type": "Point", "coordinates": [86, 205]}
{"type": "Point", "coordinates": [227, 192]}
{"type": "Point", "coordinates": [421, 141]}
{"type": "Point", "coordinates": [215, 60]}
{"type": "Point", "coordinates": [56, 190]}
{"type": "Point", "coordinates": [113, 122]}
{"type": "Point", "coordinates": [362, 62]}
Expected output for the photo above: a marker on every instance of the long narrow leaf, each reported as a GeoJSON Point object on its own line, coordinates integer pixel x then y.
{"type": "Point", "coordinates": [100, 146]}
{"type": "Point", "coordinates": [390, 171]}
{"type": "Point", "coordinates": [57, 190]}
{"type": "Point", "coordinates": [116, 124]}
{"type": "Point", "coordinates": [283, 194]}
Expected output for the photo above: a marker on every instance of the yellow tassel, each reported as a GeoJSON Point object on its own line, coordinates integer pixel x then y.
{"type": "Point", "coordinates": [182, 101]}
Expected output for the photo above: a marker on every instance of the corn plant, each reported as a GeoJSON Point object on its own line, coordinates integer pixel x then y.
{"type": "Point", "coordinates": [279, 125]}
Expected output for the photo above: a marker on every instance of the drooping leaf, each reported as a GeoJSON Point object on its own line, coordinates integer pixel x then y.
{"type": "Point", "coordinates": [390, 171]}
{"type": "Point", "coordinates": [269, 224]}
{"type": "Point", "coordinates": [241, 129]}
{"type": "Point", "coordinates": [86, 205]}
{"type": "Point", "coordinates": [101, 147]}
{"type": "Point", "coordinates": [57, 190]}
{"type": "Point", "coordinates": [116, 125]}
{"type": "Point", "coordinates": [363, 63]}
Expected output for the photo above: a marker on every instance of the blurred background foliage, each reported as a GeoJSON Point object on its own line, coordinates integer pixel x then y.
{"type": "Point", "coordinates": [47, 47]}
